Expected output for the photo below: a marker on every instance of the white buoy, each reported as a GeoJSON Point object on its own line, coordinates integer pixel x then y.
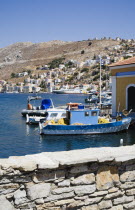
{"type": "Point", "coordinates": [121, 142]}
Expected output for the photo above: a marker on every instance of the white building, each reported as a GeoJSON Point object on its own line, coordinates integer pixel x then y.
{"type": "Point", "coordinates": [61, 66]}
{"type": "Point", "coordinates": [27, 80]}
{"type": "Point", "coordinates": [27, 89]}
{"type": "Point", "coordinates": [8, 88]}
{"type": "Point", "coordinates": [117, 47]}
{"type": "Point", "coordinates": [36, 89]}
{"type": "Point", "coordinates": [81, 64]}
{"type": "Point", "coordinates": [22, 74]}
{"type": "Point", "coordinates": [57, 80]}
{"type": "Point", "coordinates": [118, 39]}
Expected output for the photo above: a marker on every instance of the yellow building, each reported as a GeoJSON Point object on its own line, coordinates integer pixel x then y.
{"type": "Point", "coordinates": [123, 85]}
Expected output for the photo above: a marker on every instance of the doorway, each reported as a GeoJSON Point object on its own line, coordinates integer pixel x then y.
{"type": "Point", "coordinates": [131, 98]}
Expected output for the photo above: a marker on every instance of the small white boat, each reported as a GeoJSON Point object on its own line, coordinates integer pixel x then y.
{"type": "Point", "coordinates": [51, 114]}
{"type": "Point", "coordinates": [69, 91]}
{"type": "Point", "coordinates": [83, 120]}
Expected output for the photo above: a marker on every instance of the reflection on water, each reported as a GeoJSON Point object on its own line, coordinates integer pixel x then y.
{"type": "Point", "coordinates": [58, 143]}
{"type": "Point", "coordinates": [27, 130]}
{"type": "Point", "coordinates": [32, 130]}
{"type": "Point", "coordinates": [18, 138]}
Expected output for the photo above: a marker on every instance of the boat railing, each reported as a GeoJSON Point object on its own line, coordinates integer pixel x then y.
{"type": "Point", "coordinates": [82, 107]}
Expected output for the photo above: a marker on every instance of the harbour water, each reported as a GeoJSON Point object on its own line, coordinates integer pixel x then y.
{"type": "Point", "coordinates": [17, 138]}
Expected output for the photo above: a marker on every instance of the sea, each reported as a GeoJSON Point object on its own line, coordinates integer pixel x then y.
{"type": "Point", "coordinates": [18, 139]}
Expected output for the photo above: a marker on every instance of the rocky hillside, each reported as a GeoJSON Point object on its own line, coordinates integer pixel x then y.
{"type": "Point", "coordinates": [24, 56]}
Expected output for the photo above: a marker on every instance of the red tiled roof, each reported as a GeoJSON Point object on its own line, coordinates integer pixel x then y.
{"type": "Point", "coordinates": [124, 62]}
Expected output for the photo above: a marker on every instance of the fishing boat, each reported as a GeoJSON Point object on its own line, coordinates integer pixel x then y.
{"type": "Point", "coordinates": [84, 120]}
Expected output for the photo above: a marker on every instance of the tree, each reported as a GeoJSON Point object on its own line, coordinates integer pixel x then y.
{"type": "Point", "coordinates": [56, 62]}
{"type": "Point", "coordinates": [96, 77]}
{"type": "Point", "coordinates": [29, 72]}
{"type": "Point", "coordinates": [103, 66]}
{"type": "Point", "coordinates": [84, 70]}
{"type": "Point", "coordinates": [13, 75]}
{"type": "Point", "coordinates": [90, 43]}
{"type": "Point", "coordinates": [94, 57]}
{"type": "Point", "coordinates": [95, 72]}
{"type": "Point", "coordinates": [82, 52]}
{"type": "Point", "coordinates": [104, 77]}
{"type": "Point", "coordinates": [70, 63]}
{"type": "Point", "coordinates": [43, 84]}
{"type": "Point", "coordinates": [75, 74]}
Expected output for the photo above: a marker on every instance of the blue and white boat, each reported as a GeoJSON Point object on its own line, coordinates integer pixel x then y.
{"type": "Point", "coordinates": [83, 120]}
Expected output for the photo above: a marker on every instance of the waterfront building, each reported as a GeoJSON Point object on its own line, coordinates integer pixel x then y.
{"type": "Point", "coordinates": [1, 88]}
{"type": "Point", "coordinates": [8, 88]}
{"type": "Point", "coordinates": [17, 89]}
{"type": "Point", "coordinates": [123, 85]}
{"type": "Point", "coordinates": [36, 89]}
{"type": "Point", "coordinates": [27, 88]}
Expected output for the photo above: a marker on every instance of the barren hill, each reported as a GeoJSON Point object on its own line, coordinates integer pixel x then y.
{"type": "Point", "coordinates": [26, 55]}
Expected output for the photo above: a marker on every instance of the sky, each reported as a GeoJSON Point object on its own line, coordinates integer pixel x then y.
{"type": "Point", "coordinates": [67, 20]}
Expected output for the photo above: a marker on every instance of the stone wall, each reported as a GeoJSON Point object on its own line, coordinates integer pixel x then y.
{"type": "Point", "coordinates": [90, 179]}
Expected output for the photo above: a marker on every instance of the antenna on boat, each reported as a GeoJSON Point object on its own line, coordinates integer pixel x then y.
{"type": "Point", "coordinates": [100, 82]}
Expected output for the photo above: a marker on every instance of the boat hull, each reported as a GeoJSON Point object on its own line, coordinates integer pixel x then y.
{"type": "Point", "coordinates": [33, 112]}
{"type": "Point", "coordinates": [34, 119]}
{"type": "Point", "coordinates": [112, 127]}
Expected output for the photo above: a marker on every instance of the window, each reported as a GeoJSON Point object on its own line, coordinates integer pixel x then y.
{"type": "Point", "coordinates": [94, 113]}
{"type": "Point", "coordinates": [53, 114]}
{"type": "Point", "coordinates": [86, 114]}
{"type": "Point", "coordinates": [63, 115]}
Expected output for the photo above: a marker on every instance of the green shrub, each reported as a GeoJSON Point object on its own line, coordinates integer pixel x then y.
{"type": "Point", "coordinates": [13, 75]}
{"type": "Point", "coordinates": [56, 62]}
{"type": "Point", "coordinates": [95, 72]}
{"type": "Point", "coordinates": [84, 70]}
{"type": "Point", "coordinates": [96, 77]}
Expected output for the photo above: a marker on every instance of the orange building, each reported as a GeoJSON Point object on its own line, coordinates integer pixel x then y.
{"type": "Point", "coordinates": [123, 85]}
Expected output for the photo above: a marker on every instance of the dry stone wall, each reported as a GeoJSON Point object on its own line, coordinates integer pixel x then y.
{"type": "Point", "coordinates": [90, 179]}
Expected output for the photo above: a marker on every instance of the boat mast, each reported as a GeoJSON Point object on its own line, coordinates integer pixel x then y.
{"type": "Point", "coordinates": [100, 82]}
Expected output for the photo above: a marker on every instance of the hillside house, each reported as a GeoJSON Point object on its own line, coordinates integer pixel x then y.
{"type": "Point", "coordinates": [118, 39]}
{"type": "Point", "coordinates": [61, 66]}
{"type": "Point", "coordinates": [22, 74]}
{"type": "Point", "coordinates": [57, 80]}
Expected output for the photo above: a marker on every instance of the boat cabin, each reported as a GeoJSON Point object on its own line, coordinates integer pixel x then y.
{"type": "Point", "coordinates": [45, 104]}
{"type": "Point", "coordinates": [82, 115]}
{"type": "Point", "coordinates": [56, 114]}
